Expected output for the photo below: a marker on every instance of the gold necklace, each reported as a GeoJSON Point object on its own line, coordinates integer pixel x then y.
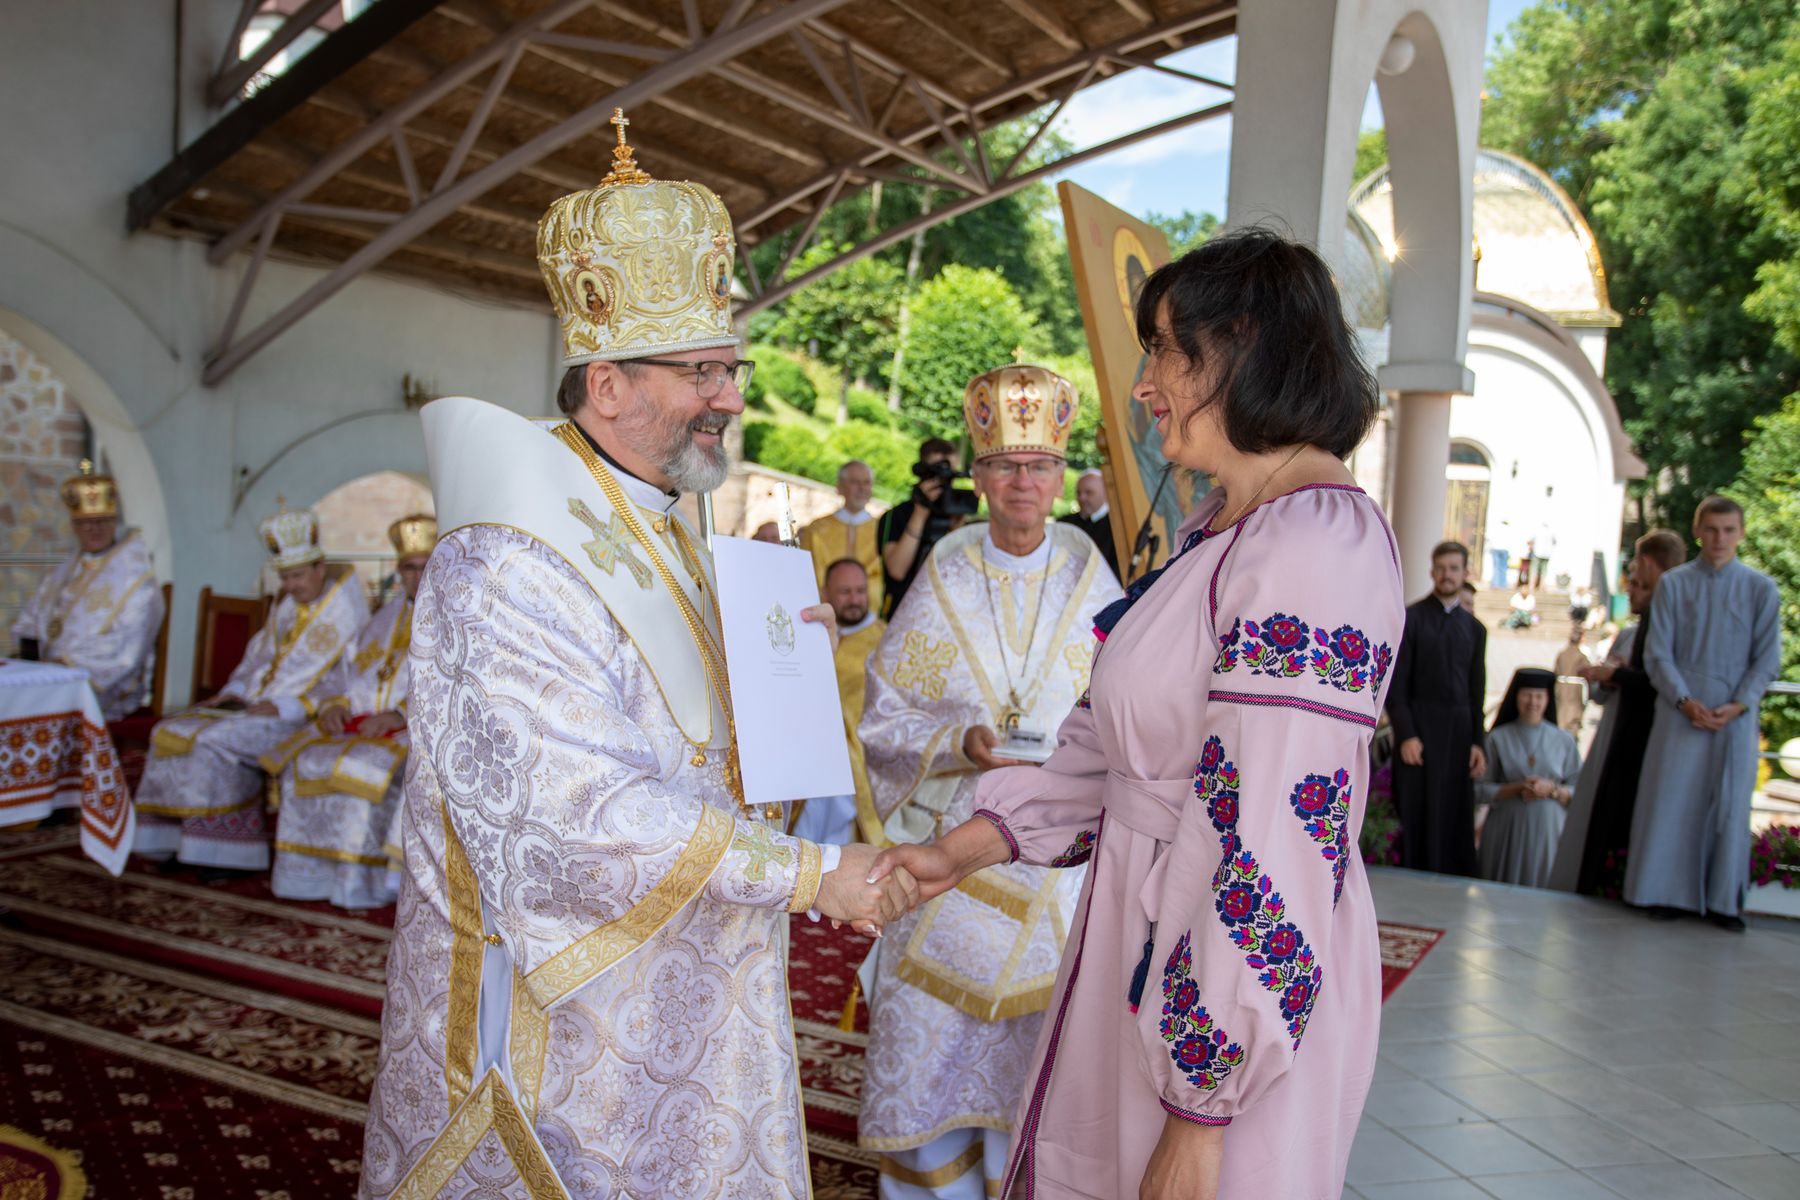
{"type": "Point", "coordinates": [712, 657]}
{"type": "Point", "coordinates": [1257, 495]}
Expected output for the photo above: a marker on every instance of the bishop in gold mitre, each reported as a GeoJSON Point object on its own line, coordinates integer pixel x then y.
{"type": "Point", "coordinates": [993, 637]}
{"type": "Point", "coordinates": [100, 609]}
{"type": "Point", "coordinates": [338, 778]}
{"type": "Point", "coordinates": [201, 798]}
{"type": "Point", "coordinates": [587, 989]}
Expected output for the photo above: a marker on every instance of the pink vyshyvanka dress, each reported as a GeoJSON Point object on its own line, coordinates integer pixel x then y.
{"type": "Point", "coordinates": [1214, 778]}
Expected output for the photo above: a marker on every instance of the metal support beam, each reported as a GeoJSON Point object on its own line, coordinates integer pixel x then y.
{"type": "Point", "coordinates": [780, 290]}
{"type": "Point", "coordinates": [343, 50]}
{"type": "Point", "coordinates": [987, 109]}
{"type": "Point", "coordinates": [232, 80]}
{"type": "Point", "coordinates": [704, 56]}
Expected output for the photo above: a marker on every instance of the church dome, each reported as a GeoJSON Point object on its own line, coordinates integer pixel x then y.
{"type": "Point", "coordinates": [1365, 276]}
{"type": "Point", "coordinates": [1533, 244]}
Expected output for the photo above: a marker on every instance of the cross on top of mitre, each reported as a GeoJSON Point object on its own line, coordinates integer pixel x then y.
{"type": "Point", "coordinates": [624, 169]}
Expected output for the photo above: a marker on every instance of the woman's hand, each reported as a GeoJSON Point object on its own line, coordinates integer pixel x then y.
{"type": "Point", "coordinates": [934, 868]}
{"type": "Point", "coordinates": [1185, 1164]}
{"type": "Point", "coordinates": [929, 864]}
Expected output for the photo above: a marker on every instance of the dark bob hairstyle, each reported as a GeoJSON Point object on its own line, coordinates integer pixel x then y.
{"type": "Point", "coordinates": [1292, 372]}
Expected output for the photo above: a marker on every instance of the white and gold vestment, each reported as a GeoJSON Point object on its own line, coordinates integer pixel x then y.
{"type": "Point", "coordinates": [338, 795]}
{"type": "Point", "coordinates": [962, 983]}
{"type": "Point", "coordinates": [202, 793]}
{"type": "Point", "coordinates": [101, 612]}
{"type": "Point", "coordinates": [587, 994]}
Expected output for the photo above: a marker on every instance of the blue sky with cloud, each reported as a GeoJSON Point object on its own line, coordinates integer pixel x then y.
{"type": "Point", "coordinates": [1186, 169]}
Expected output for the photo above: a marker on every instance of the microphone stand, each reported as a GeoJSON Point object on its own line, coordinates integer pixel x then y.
{"type": "Point", "coordinates": [1147, 540]}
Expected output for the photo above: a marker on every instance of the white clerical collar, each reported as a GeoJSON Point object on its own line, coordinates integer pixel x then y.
{"type": "Point", "coordinates": [1100, 513]}
{"type": "Point", "coordinates": [1017, 564]}
{"type": "Point", "coordinates": [856, 518]}
{"type": "Point", "coordinates": [869, 619]}
{"type": "Point", "coordinates": [1449, 604]}
{"type": "Point", "coordinates": [645, 495]}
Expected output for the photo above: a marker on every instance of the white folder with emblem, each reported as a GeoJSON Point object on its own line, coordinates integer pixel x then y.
{"type": "Point", "coordinates": [784, 692]}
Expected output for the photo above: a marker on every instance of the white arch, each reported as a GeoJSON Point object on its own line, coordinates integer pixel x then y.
{"type": "Point", "coordinates": [114, 432]}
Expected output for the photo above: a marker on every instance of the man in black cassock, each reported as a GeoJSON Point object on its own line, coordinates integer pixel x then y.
{"type": "Point", "coordinates": [1094, 516]}
{"type": "Point", "coordinates": [1435, 706]}
{"type": "Point", "coordinates": [1615, 794]}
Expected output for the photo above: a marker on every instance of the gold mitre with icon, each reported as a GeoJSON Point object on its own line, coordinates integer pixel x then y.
{"type": "Point", "coordinates": [90, 495]}
{"type": "Point", "coordinates": [414, 535]}
{"type": "Point", "coordinates": [292, 537]}
{"type": "Point", "coordinates": [1020, 409]}
{"type": "Point", "coordinates": [638, 266]}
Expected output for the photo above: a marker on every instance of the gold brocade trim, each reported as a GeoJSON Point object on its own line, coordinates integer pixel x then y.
{"type": "Point", "coordinates": [488, 1107]}
{"type": "Point", "coordinates": [343, 856]}
{"type": "Point", "coordinates": [994, 1186]}
{"type": "Point", "coordinates": [979, 1005]}
{"type": "Point", "coordinates": [868, 820]}
{"type": "Point", "coordinates": [806, 885]}
{"type": "Point", "coordinates": [166, 743]}
{"type": "Point", "coordinates": [985, 891]}
{"type": "Point", "coordinates": [71, 1180]}
{"type": "Point", "coordinates": [937, 1177]}
{"type": "Point", "coordinates": [712, 655]}
{"type": "Point", "coordinates": [462, 1026]}
{"type": "Point", "coordinates": [275, 761]}
{"type": "Point", "coordinates": [130, 589]}
{"type": "Point", "coordinates": [602, 947]}
{"type": "Point", "coordinates": [984, 1002]}
{"type": "Point", "coordinates": [997, 1121]}
{"type": "Point", "coordinates": [1029, 689]}
{"type": "Point", "coordinates": [182, 812]}
{"type": "Point", "coordinates": [529, 1044]}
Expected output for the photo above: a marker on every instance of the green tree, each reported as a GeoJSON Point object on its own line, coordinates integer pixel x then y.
{"type": "Point", "coordinates": [846, 319]}
{"type": "Point", "coordinates": [1639, 108]}
{"type": "Point", "coordinates": [1771, 184]}
{"type": "Point", "coordinates": [965, 321]}
{"type": "Point", "coordinates": [1185, 231]}
{"type": "Point", "coordinates": [1371, 152]}
{"type": "Point", "coordinates": [1769, 490]}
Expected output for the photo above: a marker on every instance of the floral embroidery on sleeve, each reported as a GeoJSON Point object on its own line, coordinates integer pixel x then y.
{"type": "Point", "coordinates": [1079, 851]}
{"type": "Point", "coordinates": [1323, 804]}
{"type": "Point", "coordinates": [1285, 647]}
{"type": "Point", "coordinates": [1197, 1045]}
{"type": "Point", "coordinates": [1083, 702]}
{"type": "Point", "coordinates": [1252, 911]}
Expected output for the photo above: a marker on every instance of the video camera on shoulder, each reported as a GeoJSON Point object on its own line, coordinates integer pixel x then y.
{"type": "Point", "coordinates": [953, 501]}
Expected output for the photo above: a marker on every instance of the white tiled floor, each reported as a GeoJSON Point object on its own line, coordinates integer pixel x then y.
{"type": "Point", "coordinates": [1552, 1047]}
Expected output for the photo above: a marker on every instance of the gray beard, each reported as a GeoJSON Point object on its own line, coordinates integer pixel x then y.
{"type": "Point", "coordinates": [693, 469]}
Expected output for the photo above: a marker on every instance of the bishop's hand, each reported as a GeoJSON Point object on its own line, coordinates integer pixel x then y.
{"type": "Point", "coordinates": [978, 747]}
{"type": "Point", "coordinates": [851, 894]}
{"type": "Point", "coordinates": [825, 615]}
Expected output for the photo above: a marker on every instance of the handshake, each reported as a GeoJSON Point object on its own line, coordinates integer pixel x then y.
{"type": "Point", "coordinates": [871, 889]}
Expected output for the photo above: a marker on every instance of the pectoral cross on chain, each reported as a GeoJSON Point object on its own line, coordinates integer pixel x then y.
{"type": "Point", "coordinates": [613, 544]}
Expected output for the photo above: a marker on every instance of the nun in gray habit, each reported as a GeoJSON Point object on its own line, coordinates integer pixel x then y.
{"type": "Point", "coordinates": [1532, 768]}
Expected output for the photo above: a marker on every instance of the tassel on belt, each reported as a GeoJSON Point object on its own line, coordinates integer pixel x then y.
{"type": "Point", "coordinates": [1153, 808]}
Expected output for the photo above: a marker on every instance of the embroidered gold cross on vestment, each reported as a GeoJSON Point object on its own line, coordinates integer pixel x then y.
{"type": "Point", "coordinates": [613, 544]}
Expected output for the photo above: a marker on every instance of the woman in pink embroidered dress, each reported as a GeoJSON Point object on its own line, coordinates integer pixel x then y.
{"type": "Point", "coordinates": [1215, 1022]}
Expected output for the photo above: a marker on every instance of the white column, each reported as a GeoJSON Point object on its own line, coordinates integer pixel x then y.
{"type": "Point", "coordinates": [1421, 452]}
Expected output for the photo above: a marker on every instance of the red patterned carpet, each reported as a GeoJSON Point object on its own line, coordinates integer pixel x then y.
{"type": "Point", "coordinates": [183, 1041]}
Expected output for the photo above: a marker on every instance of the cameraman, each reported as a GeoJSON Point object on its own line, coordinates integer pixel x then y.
{"type": "Point", "coordinates": [910, 529]}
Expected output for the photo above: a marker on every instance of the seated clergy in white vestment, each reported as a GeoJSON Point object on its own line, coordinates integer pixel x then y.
{"type": "Point", "coordinates": [338, 779]}
{"type": "Point", "coordinates": [101, 609]}
{"type": "Point", "coordinates": [201, 799]}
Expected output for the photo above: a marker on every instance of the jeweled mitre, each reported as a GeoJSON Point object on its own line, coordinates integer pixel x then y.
{"type": "Point", "coordinates": [1020, 408]}
{"type": "Point", "coordinates": [90, 495]}
{"type": "Point", "coordinates": [292, 538]}
{"type": "Point", "coordinates": [638, 266]}
{"type": "Point", "coordinates": [413, 535]}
